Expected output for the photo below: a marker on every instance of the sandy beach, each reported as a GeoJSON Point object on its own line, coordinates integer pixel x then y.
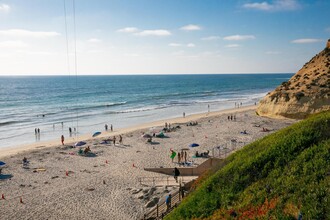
{"type": "Point", "coordinates": [58, 183]}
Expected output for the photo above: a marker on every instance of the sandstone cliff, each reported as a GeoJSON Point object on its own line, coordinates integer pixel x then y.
{"type": "Point", "coordinates": [307, 92]}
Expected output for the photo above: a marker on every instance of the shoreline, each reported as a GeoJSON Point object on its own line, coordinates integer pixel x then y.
{"type": "Point", "coordinates": [9, 151]}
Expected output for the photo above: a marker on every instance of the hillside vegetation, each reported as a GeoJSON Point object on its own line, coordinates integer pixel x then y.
{"type": "Point", "coordinates": [281, 176]}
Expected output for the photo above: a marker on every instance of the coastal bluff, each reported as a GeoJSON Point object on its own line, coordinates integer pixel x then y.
{"type": "Point", "coordinates": [307, 92]}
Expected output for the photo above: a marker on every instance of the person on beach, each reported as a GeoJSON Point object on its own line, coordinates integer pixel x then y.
{"type": "Point", "coordinates": [185, 156]}
{"type": "Point", "coordinates": [228, 117]}
{"type": "Point", "coordinates": [208, 108]}
{"type": "Point", "coordinates": [114, 140]}
{"type": "Point", "coordinates": [120, 139]}
{"type": "Point", "coordinates": [173, 154]}
{"type": "Point", "coordinates": [176, 174]}
{"type": "Point", "coordinates": [25, 162]}
{"type": "Point", "coordinates": [179, 158]}
{"type": "Point", "coordinates": [184, 114]}
{"type": "Point", "coordinates": [165, 124]}
{"type": "Point", "coordinates": [111, 128]}
{"type": "Point", "coordinates": [35, 131]}
{"type": "Point", "coordinates": [87, 149]}
{"type": "Point", "coordinates": [62, 139]}
{"type": "Point", "coordinates": [38, 130]}
{"type": "Point", "coordinates": [70, 130]}
{"type": "Point", "coordinates": [62, 124]}
{"type": "Point", "coordinates": [168, 202]}
{"type": "Point", "coordinates": [106, 127]}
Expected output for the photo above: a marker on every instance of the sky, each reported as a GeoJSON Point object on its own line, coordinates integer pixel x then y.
{"type": "Point", "coordinates": [85, 37]}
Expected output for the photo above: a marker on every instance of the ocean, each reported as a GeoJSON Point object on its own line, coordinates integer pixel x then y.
{"type": "Point", "coordinates": [87, 103]}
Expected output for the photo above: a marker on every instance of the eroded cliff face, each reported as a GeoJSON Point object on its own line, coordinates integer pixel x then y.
{"type": "Point", "coordinates": [307, 92]}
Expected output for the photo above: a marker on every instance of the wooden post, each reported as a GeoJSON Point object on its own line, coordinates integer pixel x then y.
{"type": "Point", "coordinates": [157, 211]}
{"type": "Point", "coordinates": [180, 192]}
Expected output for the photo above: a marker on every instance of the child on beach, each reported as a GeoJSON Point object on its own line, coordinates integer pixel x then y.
{"type": "Point", "coordinates": [62, 139]}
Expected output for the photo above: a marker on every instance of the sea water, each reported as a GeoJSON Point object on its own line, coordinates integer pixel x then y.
{"type": "Point", "coordinates": [87, 103]}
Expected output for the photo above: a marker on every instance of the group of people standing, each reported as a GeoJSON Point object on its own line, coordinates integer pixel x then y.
{"type": "Point", "coordinates": [37, 131]}
{"type": "Point", "coordinates": [106, 127]}
{"type": "Point", "coordinates": [182, 157]}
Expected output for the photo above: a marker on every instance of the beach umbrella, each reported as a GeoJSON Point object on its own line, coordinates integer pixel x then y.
{"type": "Point", "coordinates": [2, 163]}
{"type": "Point", "coordinates": [146, 136]}
{"type": "Point", "coordinates": [193, 145]}
{"type": "Point", "coordinates": [80, 143]}
{"type": "Point", "coordinates": [96, 134]}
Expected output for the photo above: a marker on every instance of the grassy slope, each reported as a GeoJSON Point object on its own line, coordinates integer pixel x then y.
{"type": "Point", "coordinates": [278, 176]}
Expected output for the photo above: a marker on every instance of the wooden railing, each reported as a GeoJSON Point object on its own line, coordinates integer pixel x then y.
{"type": "Point", "coordinates": [162, 180]}
{"type": "Point", "coordinates": [223, 150]}
{"type": "Point", "coordinates": [161, 209]}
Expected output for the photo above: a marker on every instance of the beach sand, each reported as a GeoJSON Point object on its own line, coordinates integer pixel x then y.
{"type": "Point", "coordinates": [106, 185]}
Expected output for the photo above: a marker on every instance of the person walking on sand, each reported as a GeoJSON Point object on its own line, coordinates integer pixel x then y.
{"type": "Point", "coordinates": [106, 127]}
{"type": "Point", "coordinates": [111, 128]}
{"type": "Point", "coordinates": [176, 174]}
{"type": "Point", "coordinates": [62, 139]}
{"type": "Point", "coordinates": [184, 114]}
{"type": "Point", "coordinates": [114, 140]}
{"type": "Point", "coordinates": [179, 158]}
{"type": "Point", "coordinates": [185, 156]}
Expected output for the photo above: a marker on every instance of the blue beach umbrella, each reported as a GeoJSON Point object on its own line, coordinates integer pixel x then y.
{"type": "Point", "coordinates": [96, 133]}
{"type": "Point", "coordinates": [80, 143]}
{"type": "Point", "coordinates": [193, 145]}
{"type": "Point", "coordinates": [2, 163]}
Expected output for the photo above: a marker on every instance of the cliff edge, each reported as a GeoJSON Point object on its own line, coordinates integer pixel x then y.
{"type": "Point", "coordinates": [307, 92]}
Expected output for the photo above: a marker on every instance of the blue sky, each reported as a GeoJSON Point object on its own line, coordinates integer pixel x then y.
{"type": "Point", "coordinates": [160, 36]}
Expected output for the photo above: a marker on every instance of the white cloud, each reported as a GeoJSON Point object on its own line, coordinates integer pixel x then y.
{"type": "Point", "coordinates": [191, 27]}
{"type": "Point", "coordinates": [240, 37]}
{"type": "Point", "coordinates": [272, 52]}
{"type": "Point", "coordinates": [4, 8]}
{"type": "Point", "coordinates": [276, 5]}
{"type": "Point", "coordinates": [174, 45]}
{"type": "Point", "coordinates": [158, 33]}
{"type": "Point", "coordinates": [27, 33]}
{"type": "Point", "coordinates": [232, 45]}
{"type": "Point", "coordinates": [13, 44]}
{"type": "Point", "coordinates": [128, 30]}
{"type": "Point", "coordinates": [306, 41]}
{"type": "Point", "coordinates": [211, 38]}
{"type": "Point", "coordinates": [181, 45]}
{"type": "Point", "coordinates": [94, 40]}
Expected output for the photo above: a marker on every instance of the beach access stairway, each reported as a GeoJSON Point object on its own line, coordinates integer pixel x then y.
{"type": "Point", "coordinates": [187, 176]}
